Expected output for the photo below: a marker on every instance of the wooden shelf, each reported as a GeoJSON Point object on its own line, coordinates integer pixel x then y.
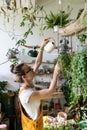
{"type": "Point", "coordinates": [43, 84]}
{"type": "Point", "coordinates": [44, 74]}
{"type": "Point", "coordinates": [42, 63]}
{"type": "Point", "coordinates": [27, 46]}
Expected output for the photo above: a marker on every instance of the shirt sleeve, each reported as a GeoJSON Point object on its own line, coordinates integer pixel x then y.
{"type": "Point", "coordinates": [25, 95]}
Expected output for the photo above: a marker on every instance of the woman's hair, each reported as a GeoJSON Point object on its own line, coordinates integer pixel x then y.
{"type": "Point", "coordinates": [18, 70]}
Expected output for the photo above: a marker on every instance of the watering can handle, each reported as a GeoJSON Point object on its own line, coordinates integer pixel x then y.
{"type": "Point", "coordinates": [53, 39]}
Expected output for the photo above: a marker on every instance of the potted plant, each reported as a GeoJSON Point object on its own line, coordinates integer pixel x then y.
{"type": "Point", "coordinates": [60, 19]}
{"type": "Point", "coordinates": [13, 55]}
{"type": "Point", "coordinates": [2, 86]}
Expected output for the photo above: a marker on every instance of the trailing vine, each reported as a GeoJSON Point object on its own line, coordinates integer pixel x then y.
{"type": "Point", "coordinates": [65, 60]}
{"type": "Point", "coordinates": [79, 73]}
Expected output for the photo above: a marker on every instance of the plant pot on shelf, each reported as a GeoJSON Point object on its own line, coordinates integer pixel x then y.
{"type": "Point", "coordinates": [33, 53]}
{"type": "Point", "coordinates": [8, 103]}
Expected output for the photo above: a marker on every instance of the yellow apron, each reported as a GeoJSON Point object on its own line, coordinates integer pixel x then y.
{"type": "Point", "coordinates": [29, 124]}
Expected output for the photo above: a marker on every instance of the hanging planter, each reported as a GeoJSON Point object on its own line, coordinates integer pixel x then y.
{"type": "Point", "coordinates": [33, 53]}
{"type": "Point", "coordinates": [12, 53]}
{"type": "Point", "coordinates": [8, 3]}
{"type": "Point", "coordinates": [25, 5]}
{"type": "Point", "coordinates": [55, 28]}
{"type": "Point", "coordinates": [60, 19]}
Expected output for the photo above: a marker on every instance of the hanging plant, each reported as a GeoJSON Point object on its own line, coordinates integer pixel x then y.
{"type": "Point", "coordinates": [13, 55]}
{"type": "Point", "coordinates": [82, 38]}
{"type": "Point", "coordinates": [79, 13]}
{"type": "Point", "coordinates": [61, 19]}
{"type": "Point", "coordinates": [66, 88]}
{"type": "Point", "coordinates": [21, 42]}
{"type": "Point", "coordinates": [64, 57]}
{"type": "Point", "coordinates": [79, 74]}
{"type": "Point", "coordinates": [8, 2]}
{"type": "Point", "coordinates": [64, 60]}
{"type": "Point", "coordinates": [31, 17]}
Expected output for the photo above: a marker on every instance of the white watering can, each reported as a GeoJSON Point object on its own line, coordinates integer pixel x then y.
{"type": "Point", "coordinates": [50, 46]}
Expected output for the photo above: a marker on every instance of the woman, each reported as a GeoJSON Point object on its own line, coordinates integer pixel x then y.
{"type": "Point", "coordinates": [30, 99]}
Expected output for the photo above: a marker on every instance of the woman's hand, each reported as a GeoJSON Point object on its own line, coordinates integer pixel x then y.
{"type": "Point", "coordinates": [57, 69]}
{"type": "Point", "coordinates": [45, 41]}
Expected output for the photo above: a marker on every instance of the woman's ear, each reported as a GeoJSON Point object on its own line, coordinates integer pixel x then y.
{"type": "Point", "coordinates": [23, 77]}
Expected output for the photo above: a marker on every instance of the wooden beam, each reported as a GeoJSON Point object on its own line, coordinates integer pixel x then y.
{"type": "Point", "coordinates": [36, 46]}
{"type": "Point", "coordinates": [74, 27]}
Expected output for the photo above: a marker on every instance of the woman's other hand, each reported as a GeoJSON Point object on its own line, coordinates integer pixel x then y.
{"type": "Point", "coordinates": [57, 68]}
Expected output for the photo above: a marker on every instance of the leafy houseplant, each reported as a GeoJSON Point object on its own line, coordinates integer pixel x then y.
{"type": "Point", "coordinates": [79, 74]}
{"type": "Point", "coordinates": [62, 126]}
{"type": "Point", "coordinates": [64, 60]}
{"type": "Point", "coordinates": [79, 12]}
{"type": "Point", "coordinates": [82, 37]}
{"type": "Point", "coordinates": [61, 19]}
{"type": "Point", "coordinates": [12, 55]}
{"type": "Point", "coordinates": [4, 90]}
{"type": "Point", "coordinates": [2, 86]}
{"type": "Point", "coordinates": [31, 17]}
{"type": "Point", "coordinates": [7, 99]}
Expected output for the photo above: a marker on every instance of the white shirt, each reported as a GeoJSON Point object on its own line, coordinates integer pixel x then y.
{"type": "Point", "coordinates": [32, 107]}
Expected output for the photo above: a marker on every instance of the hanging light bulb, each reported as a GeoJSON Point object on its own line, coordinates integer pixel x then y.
{"type": "Point", "coordinates": [60, 2]}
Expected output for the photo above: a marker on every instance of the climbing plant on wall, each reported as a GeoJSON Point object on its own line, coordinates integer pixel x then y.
{"type": "Point", "coordinates": [79, 74]}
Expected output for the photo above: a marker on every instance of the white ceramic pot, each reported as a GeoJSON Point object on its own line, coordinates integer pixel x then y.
{"type": "Point", "coordinates": [55, 28]}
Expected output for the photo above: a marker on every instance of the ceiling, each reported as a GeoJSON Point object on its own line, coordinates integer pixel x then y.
{"type": "Point", "coordinates": [72, 2]}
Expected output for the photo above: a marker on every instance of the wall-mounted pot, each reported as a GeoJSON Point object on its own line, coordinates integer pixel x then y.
{"type": "Point", "coordinates": [12, 53]}
{"type": "Point", "coordinates": [33, 53]}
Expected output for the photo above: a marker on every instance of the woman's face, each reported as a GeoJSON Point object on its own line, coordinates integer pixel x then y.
{"type": "Point", "coordinates": [29, 73]}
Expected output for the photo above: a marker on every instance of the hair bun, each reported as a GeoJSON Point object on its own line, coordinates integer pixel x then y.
{"type": "Point", "coordinates": [12, 68]}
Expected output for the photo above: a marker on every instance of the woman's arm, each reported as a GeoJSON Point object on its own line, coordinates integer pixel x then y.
{"type": "Point", "coordinates": [43, 94]}
{"type": "Point", "coordinates": [40, 54]}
